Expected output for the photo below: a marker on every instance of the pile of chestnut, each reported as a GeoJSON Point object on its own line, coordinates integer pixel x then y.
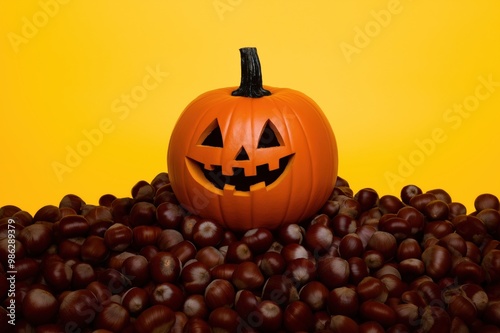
{"type": "Point", "coordinates": [365, 263]}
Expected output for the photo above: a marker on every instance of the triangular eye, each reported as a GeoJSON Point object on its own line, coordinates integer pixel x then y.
{"type": "Point", "coordinates": [269, 136]}
{"type": "Point", "coordinates": [212, 135]}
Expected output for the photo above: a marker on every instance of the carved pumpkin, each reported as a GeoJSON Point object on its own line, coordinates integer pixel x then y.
{"type": "Point", "coordinates": [252, 157]}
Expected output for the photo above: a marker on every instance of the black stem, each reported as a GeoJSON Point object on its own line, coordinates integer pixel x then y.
{"type": "Point", "coordinates": [251, 75]}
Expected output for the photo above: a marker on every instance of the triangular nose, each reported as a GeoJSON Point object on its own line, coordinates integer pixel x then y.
{"type": "Point", "coordinates": [242, 155]}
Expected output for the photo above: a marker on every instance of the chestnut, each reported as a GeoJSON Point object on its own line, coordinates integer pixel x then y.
{"type": "Point", "coordinates": [223, 271]}
{"type": "Point", "coordinates": [419, 201]}
{"type": "Point", "coordinates": [36, 238]}
{"type": "Point", "coordinates": [136, 268]}
{"type": "Point", "coordinates": [168, 238]}
{"type": "Point", "coordinates": [330, 208]}
{"type": "Point", "coordinates": [466, 271]}
{"type": "Point", "coordinates": [195, 306]}
{"type": "Point", "coordinates": [197, 325]}
{"type": "Point", "coordinates": [142, 213]}
{"type": "Point", "coordinates": [491, 219]}
{"type": "Point", "coordinates": [367, 198]}
{"type": "Point", "coordinates": [78, 309]}
{"type": "Point", "coordinates": [358, 269]}
{"type": "Point", "coordinates": [437, 261]}
{"type": "Point", "coordinates": [238, 252]}
{"type": "Point", "coordinates": [135, 300]}
{"type": "Point", "coordinates": [491, 314]}
{"type": "Point", "coordinates": [301, 271]}
{"type": "Point", "coordinates": [118, 237]}
{"type": "Point", "coordinates": [455, 243]}
{"type": "Point", "coordinates": [114, 281]}
{"type": "Point", "coordinates": [73, 226]}
{"type": "Point", "coordinates": [343, 301]}
{"type": "Point", "coordinates": [49, 213]}
{"type": "Point", "coordinates": [184, 250]}
{"type": "Point", "coordinates": [70, 248]}
{"type": "Point", "coordinates": [247, 275]}
{"type": "Point", "coordinates": [207, 233]}
{"type": "Point", "coordinates": [350, 246]}
{"type": "Point", "coordinates": [436, 210]}
{"type": "Point", "coordinates": [491, 266]}
{"type": "Point", "coordinates": [224, 319]}
{"type": "Point", "coordinates": [463, 308]}
{"type": "Point", "coordinates": [164, 267]}
{"type": "Point", "coordinates": [39, 306]}
{"type": "Point", "coordinates": [258, 240]}
{"type": "Point", "coordinates": [435, 319]}
{"type": "Point", "coordinates": [267, 317]}
{"type": "Point", "coordinates": [290, 233]}
{"type": "Point", "coordinates": [298, 316]}
{"type": "Point", "coordinates": [411, 268]}
{"type": "Point", "coordinates": [407, 313]}
{"type": "Point", "coordinates": [397, 226]}
{"type": "Point", "coordinates": [83, 274]}
{"type": "Point", "coordinates": [414, 217]}
{"type": "Point", "coordinates": [371, 288]}
{"type": "Point", "coordinates": [333, 271]}
{"type": "Point", "coordinates": [486, 201]}
{"type": "Point", "coordinates": [272, 263]}
{"type": "Point", "coordinates": [116, 259]}
{"type": "Point", "coordinates": [379, 312]}
{"type": "Point", "coordinates": [365, 232]}
{"type": "Point", "coordinates": [279, 289]}
{"type": "Point", "coordinates": [144, 235]}
{"type": "Point", "coordinates": [113, 317]}
{"type": "Point", "coordinates": [168, 294]}
{"type": "Point", "coordinates": [371, 327]}
{"type": "Point", "coordinates": [318, 238]}
{"type": "Point", "coordinates": [158, 318]}
{"type": "Point", "coordinates": [186, 226]}
{"type": "Point", "coordinates": [470, 228]}
{"type": "Point", "coordinates": [341, 323]}
{"type": "Point", "coordinates": [210, 256]}
{"type": "Point", "coordinates": [293, 251]}
{"type": "Point", "coordinates": [57, 275]}
{"type": "Point", "coordinates": [195, 277]}
{"type": "Point", "coordinates": [383, 242]}
{"type": "Point", "coordinates": [93, 250]}
{"type": "Point", "coordinates": [169, 215]}
{"type": "Point", "coordinates": [180, 322]}
{"type": "Point", "coordinates": [374, 259]}
{"type": "Point", "coordinates": [389, 204]}
{"type": "Point", "coordinates": [343, 224]}
{"type": "Point", "coordinates": [219, 293]}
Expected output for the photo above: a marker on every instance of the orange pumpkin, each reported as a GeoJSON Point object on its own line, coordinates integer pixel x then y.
{"type": "Point", "coordinates": [256, 156]}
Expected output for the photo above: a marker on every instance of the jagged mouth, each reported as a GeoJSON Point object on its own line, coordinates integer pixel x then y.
{"type": "Point", "coordinates": [238, 180]}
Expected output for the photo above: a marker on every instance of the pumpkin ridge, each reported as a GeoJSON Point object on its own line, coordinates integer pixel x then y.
{"type": "Point", "coordinates": [288, 100]}
{"type": "Point", "coordinates": [327, 129]}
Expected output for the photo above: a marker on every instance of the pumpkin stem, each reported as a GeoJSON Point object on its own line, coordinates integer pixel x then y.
{"type": "Point", "coordinates": [251, 76]}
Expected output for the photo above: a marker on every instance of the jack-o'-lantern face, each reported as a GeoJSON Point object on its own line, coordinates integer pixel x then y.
{"type": "Point", "coordinates": [261, 164]}
{"type": "Point", "coordinates": [251, 161]}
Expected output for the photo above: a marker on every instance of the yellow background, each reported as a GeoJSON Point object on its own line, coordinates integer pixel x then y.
{"type": "Point", "coordinates": [384, 82]}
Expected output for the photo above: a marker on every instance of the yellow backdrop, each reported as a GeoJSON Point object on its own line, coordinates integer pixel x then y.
{"type": "Point", "coordinates": [90, 90]}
